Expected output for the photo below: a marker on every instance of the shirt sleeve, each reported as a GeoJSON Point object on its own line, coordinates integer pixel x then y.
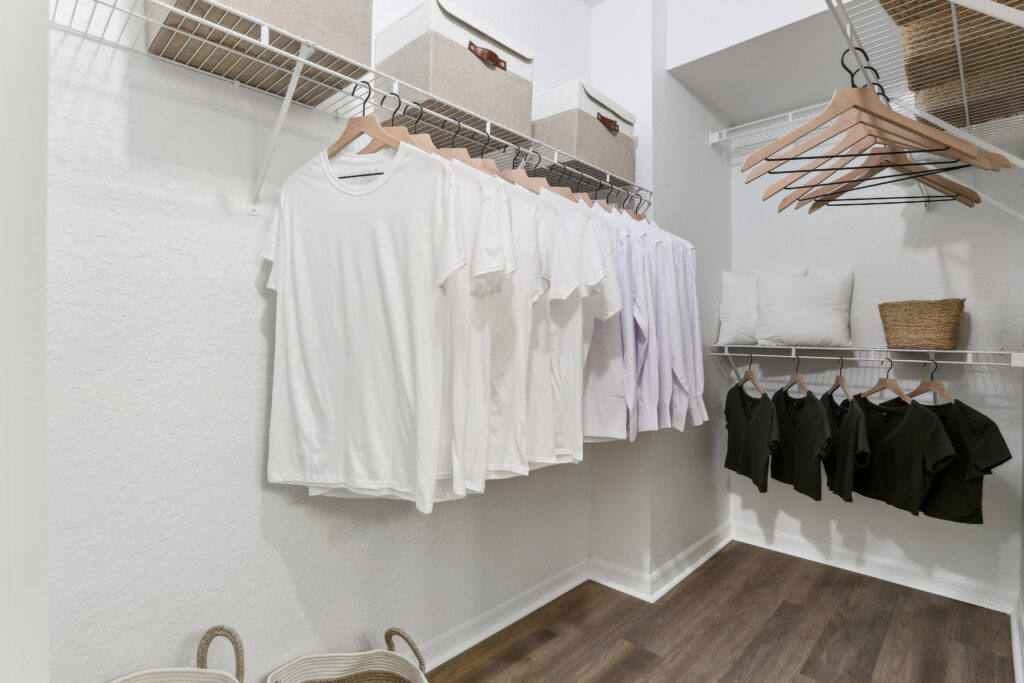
{"type": "Point", "coordinates": [862, 452]}
{"type": "Point", "coordinates": [270, 242]}
{"type": "Point", "coordinates": [824, 434]}
{"type": "Point", "coordinates": [699, 413]}
{"type": "Point", "coordinates": [939, 450]}
{"type": "Point", "coordinates": [592, 263]}
{"type": "Point", "coordinates": [610, 297]}
{"type": "Point", "coordinates": [491, 261]}
{"type": "Point", "coordinates": [775, 440]}
{"type": "Point", "coordinates": [563, 261]}
{"type": "Point", "coordinates": [988, 447]}
{"type": "Point", "coordinates": [541, 266]}
{"type": "Point", "coordinates": [449, 245]}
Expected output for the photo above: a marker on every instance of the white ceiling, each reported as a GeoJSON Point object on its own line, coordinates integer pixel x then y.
{"type": "Point", "coordinates": [787, 68]}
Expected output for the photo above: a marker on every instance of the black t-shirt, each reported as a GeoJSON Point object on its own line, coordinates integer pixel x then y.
{"type": "Point", "coordinates": [804, 438]}
{"type": "Point", "coordinates": [753, 435]}
{"type": "Point", "coordinates": [956, 491]}
{"type": "Point", "coordinates": [908, 446]}
{"type": "Point", "coordinates": [849, 448]}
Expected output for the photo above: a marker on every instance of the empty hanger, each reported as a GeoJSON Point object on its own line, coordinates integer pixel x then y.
{"type": "Point", "coordinates": [796, 378]}
{"type": "Point", "coordinates": [887, 382]}
{"type": "Point", "coordinates": [840, 383]}
{"type": "Point", "coordinates": [749, 375]}
{"type": "Point", "coordinates": [357, 126]}
{"type": "Point", "coordinates": [930, 384]}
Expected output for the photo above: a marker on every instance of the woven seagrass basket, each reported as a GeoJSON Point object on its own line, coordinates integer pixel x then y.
{"type": "Point", "coordinates": [922, 324]}
{"type": "Point", "coordinates": [375, 666]}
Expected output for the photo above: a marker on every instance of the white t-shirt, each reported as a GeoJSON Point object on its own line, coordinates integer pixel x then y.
{"type": "Point", "coordinates": [511, 327]}
{"type": "Point", "coordinates": [540, 433]}
{"type": "Point", "coordinates": [485, 217]}
{"type": "Point", "coordinates": [360, 269]}
{"type": "Point", "coordinates": [584, 258]}
{"type": "Point", "coordinates": [609, 379]}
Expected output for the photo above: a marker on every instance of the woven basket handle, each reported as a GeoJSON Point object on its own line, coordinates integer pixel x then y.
{"type": "Point", "coordinates": [389, 638]}
{"type": "Point", "coordinates": [236, 642]}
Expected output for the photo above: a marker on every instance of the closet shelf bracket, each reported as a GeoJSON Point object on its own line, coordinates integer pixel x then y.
{"type": "Point", "coordinates": [305, 51]}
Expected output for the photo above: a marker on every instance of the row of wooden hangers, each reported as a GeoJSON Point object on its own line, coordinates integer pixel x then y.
{"type": "Point", "coordinates": [887, 383]}
{"type": "Point", "coordinates": [392, 136]}
{"type": "Point", "coordinates": [874, 132]}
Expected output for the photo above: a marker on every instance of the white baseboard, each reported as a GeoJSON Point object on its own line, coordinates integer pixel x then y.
{"type": "Point", "coordinates": [650, 587]}
{"type": "Point", "coordinates": [940, 583]}
{"type": "Point", "coordinates": [439, 650]}
{"type": "Point", "coordinates": [1017, 639]}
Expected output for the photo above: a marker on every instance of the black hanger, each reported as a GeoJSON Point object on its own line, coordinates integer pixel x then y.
{"type": "Point", "coordinates": [539, 159]}
{"type": "Point", "coordinates": [397, 106]}
{"type": "Point", "coordinates": [416, 124]}
{"type": "Point", "coordinates": [484, 148]}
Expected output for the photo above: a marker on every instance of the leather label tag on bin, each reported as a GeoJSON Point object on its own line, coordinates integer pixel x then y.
{"type": "Point", "coordinates": [610, 124]}
{"type": "Point", "coordinates": [488, 56]}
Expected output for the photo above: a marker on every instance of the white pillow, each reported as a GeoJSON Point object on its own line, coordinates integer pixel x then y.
{"type": "Point", "coordinates": [813, 310]}
{"type": "Point", "coordinates": [737, 313]}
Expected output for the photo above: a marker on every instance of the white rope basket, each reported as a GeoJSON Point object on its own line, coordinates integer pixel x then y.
{"type": "Point", "coordinates": [356, 667]}
{"type": "Point", "coordinates": [200, 674]}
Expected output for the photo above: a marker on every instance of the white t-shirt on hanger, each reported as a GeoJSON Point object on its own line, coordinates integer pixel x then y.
{"type": "Point", "coordinates": [585, 255]}
{"type": "Point", "coordinates": [511, 328]}
{"type": "Point", "coordinates": [486, 220]}
{"type": "Point", "coordinates": [361, 267]}
{"type": "Point", "coordinates": [605, 412]}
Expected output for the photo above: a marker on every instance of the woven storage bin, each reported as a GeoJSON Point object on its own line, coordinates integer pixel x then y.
{"type": "Point", "coordinates": [200, 674]}
{"type": "Point", "coordinates": [430, 48]}
{"type": "Point", "coordinates": [374, 666]}
{"type": "Point", "coordinates": [991, 95]}
{"type": "Point", "coordinates": [922, 324]}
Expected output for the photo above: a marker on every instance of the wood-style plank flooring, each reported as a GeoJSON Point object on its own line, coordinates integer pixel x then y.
{"type": "Point", "coordinates": [748, 614]}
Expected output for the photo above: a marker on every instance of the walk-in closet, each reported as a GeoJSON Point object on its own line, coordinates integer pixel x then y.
{"type": "Point", "coordinates": [461, 341]}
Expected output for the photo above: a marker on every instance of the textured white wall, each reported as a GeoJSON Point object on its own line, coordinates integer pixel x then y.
{"type": "Point", "coordinates": [902, 252]}
{"type": "Point", "coordinates": [159, 343]}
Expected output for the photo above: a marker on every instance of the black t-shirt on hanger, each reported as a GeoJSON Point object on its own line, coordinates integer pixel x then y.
{"type": "Point", "coordinates": [956, 492]}
{"type": "Point", "coordinates": [804, 442]}
{"type": "Point", "coordinates": [849, 448]}
{"type": "Point", "coordinates": [908, 446]}
{"type": "Point", "coordinates": [753, 435]}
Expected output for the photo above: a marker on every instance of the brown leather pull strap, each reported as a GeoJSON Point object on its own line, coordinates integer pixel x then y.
{"type": "Point", "coordinates": [487, 55]}
{"type": "Point", "coordinates": [610, 124]}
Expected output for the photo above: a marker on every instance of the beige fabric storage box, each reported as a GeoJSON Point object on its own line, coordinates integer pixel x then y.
{"type": "Point", "coordinates": [342, 27]}
{"type": "Point", "coordinates": [579, 120]}
{"type": "Point", "coordinates": [432, 48]}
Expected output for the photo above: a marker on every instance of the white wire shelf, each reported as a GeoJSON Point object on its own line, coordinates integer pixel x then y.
{"type": "Point", "coordinates": [211, 38]}
{"type": "Point", "coordinates": [870, 355]}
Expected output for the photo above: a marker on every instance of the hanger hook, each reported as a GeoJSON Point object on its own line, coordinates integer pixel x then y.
{"type": "Point", "coordinates": [610, 188]}
{"type": "Point", "coordinates": [486, 143]}
{"type": "Point", "coordinates": [935, 367]}
{"type": "Point", "coordinates": [397, 106]}
{"type": "Point", "coordinates": [519, 151]}
{"type": "Point", "coordinates": [562, 174]}
{"type": "Point", "coordinates": [888, 370]}
{"type": "Point", "coordinates": [840, 366]}
{"type": "Point", "coordinates": [842, 62]}
{"type": "Point", "coordinates": [750, 362]}
{"type": "Point", "coordinates": [539, 159]}
{"type": "Point", "coordinates": [452, 142]}
{"type": "Point", "coordinates": [369, 91]}
{"type": "Point", "coordinates": [405, 112]}
{"type": "Point", "coordinates": [577, 188]}
{"type": "Point", "coordinates": [797, 370]}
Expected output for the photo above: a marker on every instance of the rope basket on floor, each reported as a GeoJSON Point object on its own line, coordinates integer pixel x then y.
{"type": "Point", "coordinates": [922, 324]}
{"type": "Point", "coordinates": [374, 666]}
{"type": "Point", "coordinates": [200, 674]}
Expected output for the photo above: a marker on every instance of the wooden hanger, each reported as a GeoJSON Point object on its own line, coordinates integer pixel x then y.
{"type": "Point", "coordinates": [865, 100]}
{"type": "Point", "coordinates": [796, 379]}
{"type": "Point", "coordinates": [933, 386]}
{"type": "Point", "coordinates": [840, 383]}
{"type": "Point", "coordinates": [749, 376]}
{"type": "Point", "coordinates": [400, 133]}
{"type": "Point", "coordinates": [887, 383]}
{"type": "Point", "coordinates": [521, 177]}
{"type": "Point", "coordinates": [357, 126]}
{"type": "Point", "coordinates": [897, 161]}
